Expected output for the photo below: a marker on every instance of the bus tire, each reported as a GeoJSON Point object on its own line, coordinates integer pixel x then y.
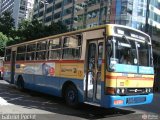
{"type": "Point", "coordinates": [71, 96]}
{"type": "Point", "coordinates": [20, 83]}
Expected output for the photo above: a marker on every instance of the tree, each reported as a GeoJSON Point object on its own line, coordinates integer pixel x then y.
{"type": "Point", "coordinates": [3, 42]}
{"type": "Point", "coordinates": [6, 24]}
{"type": "Point", "coordinates": [30, 30]}
{"type": "Point", "coordinates": [56, 28]}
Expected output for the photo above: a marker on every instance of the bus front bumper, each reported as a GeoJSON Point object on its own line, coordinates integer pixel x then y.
{"type": "Point", "coordinates": [121, 101]}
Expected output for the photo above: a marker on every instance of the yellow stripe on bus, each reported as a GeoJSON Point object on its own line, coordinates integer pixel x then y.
{"type": "Point", "coordinates": [129, 83]}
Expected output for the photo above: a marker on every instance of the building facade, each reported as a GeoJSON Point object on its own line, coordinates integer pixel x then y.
{"type": "Point", "coordinates": [20, 9]}
{"type": "Point", "coordinates": [79, 14]}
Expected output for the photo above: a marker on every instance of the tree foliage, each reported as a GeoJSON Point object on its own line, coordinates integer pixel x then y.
{"type": "Point", "coordinates": [6, 24]}
{"type": "Point", "coordinates": [27, 30]}
{"type": "Point", "coordinates": [30, 30]}
{"type": "Point", "coordinates": [6, 30]}
{"type": "Point", "coordinates": [3, 42]}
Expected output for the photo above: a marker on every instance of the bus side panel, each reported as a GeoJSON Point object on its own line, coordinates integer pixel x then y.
{"type": "Point", "coordinates": [50, 77]}
{"type": "Point", "coordinates": [73, 71]}
{"type": "Point", "coordinates": [47, 84]}
{"type": "Point", "coordinates": [7, 72]}
{"type": "Point", "coordinates": [28, 79]}
{"type": "Point", "coordinates": [39, 76]}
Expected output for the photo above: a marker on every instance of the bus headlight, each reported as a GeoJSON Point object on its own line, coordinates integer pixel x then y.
{"type": "Point", "coordinates": [147, 90]}
{"type": "Point", "coordinates": [123, 91]}
{"type": "Point", "coordinates": [118, 91]}
{"type": "Point", "coordinates": [150, 90]}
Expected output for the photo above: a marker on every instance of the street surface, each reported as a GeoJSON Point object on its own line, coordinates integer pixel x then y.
{"type": "Point", "coordinates": [15, 104]}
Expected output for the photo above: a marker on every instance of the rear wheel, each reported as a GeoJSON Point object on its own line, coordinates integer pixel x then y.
{"type": "Point", "coordinates": [20, 83]}
{"type": "Point", "coordinates": [71, 96]}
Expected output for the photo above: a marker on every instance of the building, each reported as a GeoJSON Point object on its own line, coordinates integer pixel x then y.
{"type": "Point", "coordinates": [88, 13]}
{"type": "Point", "coordinates": [76, 14]}
{"type": "Point", "coordinates": [20, 9]}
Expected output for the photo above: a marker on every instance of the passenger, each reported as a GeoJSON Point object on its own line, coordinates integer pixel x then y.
{"type": "Point", "coordinates": [125, 59]}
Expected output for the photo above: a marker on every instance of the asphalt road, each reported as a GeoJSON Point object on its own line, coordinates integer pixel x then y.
{"type": "Point", "coordinates": [16, 105]}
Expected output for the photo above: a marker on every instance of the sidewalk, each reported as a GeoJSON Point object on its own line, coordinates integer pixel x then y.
{"type": "Point", "coordinates": [3, 82]}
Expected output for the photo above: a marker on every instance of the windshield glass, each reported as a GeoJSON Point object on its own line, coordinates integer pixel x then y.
{"type": "Point", "coordinates": [128, 52]}
{"type": "Point", "coordinates": [124, 51]}
{"type": "Point", "coordinates": [144, 54]}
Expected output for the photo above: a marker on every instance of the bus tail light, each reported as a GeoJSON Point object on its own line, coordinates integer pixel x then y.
{"type": "Point", "coordinates": [118, 102]}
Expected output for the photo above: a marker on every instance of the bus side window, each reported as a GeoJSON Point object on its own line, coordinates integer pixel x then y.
{"type": "Point", "coordinates": [41, 50]}
{"type": "Point", "coordinates": [55, 49]}
{"type": "Point", "coordinates": [21, 51]}
{"type": "Point", "coordinates": [72, 47]}
{"type": "Point", "coordinates": [8, 54]}
{"type": "Point", "coordinates": [30, 55]}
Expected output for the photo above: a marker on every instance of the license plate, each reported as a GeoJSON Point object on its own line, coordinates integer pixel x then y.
{"type": "Point", "coordinates": [136, 100]}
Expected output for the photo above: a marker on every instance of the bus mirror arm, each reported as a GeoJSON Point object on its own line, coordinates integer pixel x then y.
{"type": "Point", "coordinates": [108, 62]}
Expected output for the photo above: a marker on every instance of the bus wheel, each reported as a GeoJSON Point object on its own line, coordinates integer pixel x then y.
{"type": "Point", "coordinates": [20, 83]}
{"type": "Point", "coordinates": [71, 96]}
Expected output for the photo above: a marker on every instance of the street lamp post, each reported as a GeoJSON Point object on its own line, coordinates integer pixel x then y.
{"type": "Point", "coordinates": [44, 2]}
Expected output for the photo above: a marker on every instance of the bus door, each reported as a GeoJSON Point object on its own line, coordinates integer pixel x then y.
{"type": "Point", "coordinates": [13, 60]}
{"type": "Point", "coordinates": [94, 64]}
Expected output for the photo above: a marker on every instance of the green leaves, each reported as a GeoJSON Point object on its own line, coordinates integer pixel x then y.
{"type": "Point", "coordinates": [3, 42]}
{"type": "Point", "coordinates": [6, 23]}
{"type": "Point", "coordinates": [30, 30]}
{"type": "Point", "coordinates": [27, 30]}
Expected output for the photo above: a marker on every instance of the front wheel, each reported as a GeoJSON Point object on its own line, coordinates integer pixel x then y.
{"type": "Point", "coordinates": [71, 96]}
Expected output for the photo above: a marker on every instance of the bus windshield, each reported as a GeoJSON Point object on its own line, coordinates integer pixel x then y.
{"type": "Point", "coordinates": [129, 52]}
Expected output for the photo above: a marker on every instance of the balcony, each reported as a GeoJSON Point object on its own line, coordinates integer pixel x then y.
{"type": "Point", "coordinates": [94, 7]}
{"type": "Point", "coordinates": [67, 16]}
{"type": "Point", "coordinates": [58, 10]}
{"type": "Point", "coordinates": [92, 20]}
{"type": "Point", "coordinates": [58, 1]}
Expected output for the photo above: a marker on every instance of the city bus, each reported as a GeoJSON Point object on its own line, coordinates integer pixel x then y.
{"type": "Point", "coordinates": [86, 66]}
{"type": "Point", "coordinates": [1, 67]}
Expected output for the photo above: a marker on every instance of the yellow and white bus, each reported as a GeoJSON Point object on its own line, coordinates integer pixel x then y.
{"type": "Point", "coordinates": [107, 66]}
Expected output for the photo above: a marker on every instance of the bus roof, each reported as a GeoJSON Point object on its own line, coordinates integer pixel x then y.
{"type": "Point", "coordinates": [77, 31]}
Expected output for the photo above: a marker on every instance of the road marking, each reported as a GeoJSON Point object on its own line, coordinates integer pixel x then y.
{"type": "Point", "coordinates": [3, 102]}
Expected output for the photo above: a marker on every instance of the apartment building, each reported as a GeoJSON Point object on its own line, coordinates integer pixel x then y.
{"type": "Point", "coordinates": [76, 14]}
{"type": "Point", "coordinates": [79, 14]}
{"type": "Point", "coordinates": [20, 9]}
